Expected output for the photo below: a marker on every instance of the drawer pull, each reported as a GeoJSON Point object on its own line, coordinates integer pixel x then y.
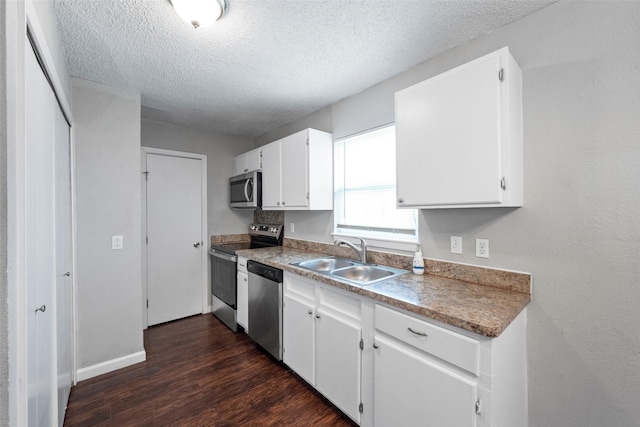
{"type": "Point", "coordinates": [422, 334]}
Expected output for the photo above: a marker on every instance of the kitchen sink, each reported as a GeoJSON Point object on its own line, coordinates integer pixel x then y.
{"type": "Point", "coordinates": [362, 273]}
{"type": "Point", "coordinates": [325, 264]}
{"type": "Point", "coordinates": [352, 271]}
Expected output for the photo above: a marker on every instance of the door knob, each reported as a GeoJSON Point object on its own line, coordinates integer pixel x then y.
{"type": "Point", "coordinates": [196, 245]}
{"type": "Point", "coordinates": [43, 308]}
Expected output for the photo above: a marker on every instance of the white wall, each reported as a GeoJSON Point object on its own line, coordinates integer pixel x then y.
{"type": "Point", "coordinates": [108, 202]}
{"type": "Point", "coordinates": [220, 151]}
{"type": "Point", "coordinates": [579, 230]}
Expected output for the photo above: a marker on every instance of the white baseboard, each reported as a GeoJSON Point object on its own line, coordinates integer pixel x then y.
{"type": "Point", "coordinates": [110, 365]}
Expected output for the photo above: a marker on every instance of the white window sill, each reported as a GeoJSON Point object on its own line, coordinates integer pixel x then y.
{"type": "Point", "coordinates": [401, 246]}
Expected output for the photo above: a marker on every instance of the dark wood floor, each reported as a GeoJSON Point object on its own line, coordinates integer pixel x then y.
{"type": "Point", "coordinates": [199, 373]}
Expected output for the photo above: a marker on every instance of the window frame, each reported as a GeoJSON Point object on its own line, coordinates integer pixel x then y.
{"type": "Point", "coordinates": [375, 238]}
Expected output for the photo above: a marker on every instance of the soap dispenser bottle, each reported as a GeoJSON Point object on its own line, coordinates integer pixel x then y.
{"type": "Point", "coordinates": [418, 261]}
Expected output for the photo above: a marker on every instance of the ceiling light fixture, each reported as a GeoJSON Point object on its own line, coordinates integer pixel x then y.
{"type": "Point", "coordinates": [200, 13]}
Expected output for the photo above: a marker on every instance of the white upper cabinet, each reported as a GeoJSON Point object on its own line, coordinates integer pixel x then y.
{"type": "Point", "coordinates": [271, 176]}
{"type": "Point", "coordinates": [249, 161]}
{"type": "Point", "coordinates": [459, 137]}
{"type": "Point", "coordinates": [297, 172]}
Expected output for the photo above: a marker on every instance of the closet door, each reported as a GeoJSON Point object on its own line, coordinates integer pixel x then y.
{"type": "Point", "coordinates": [64, 290]}
{"type": "Point", "coordinates": [40, 245]}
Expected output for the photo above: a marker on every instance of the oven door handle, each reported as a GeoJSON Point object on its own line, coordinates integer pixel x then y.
{"type": "Point", "coordinates": [223, 256]}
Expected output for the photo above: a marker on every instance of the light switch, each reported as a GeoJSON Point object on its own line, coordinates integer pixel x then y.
{"type": "Point", "coordinates": [116, 242]}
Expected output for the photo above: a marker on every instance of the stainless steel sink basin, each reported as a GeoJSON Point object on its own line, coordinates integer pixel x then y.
{"type": "Point", "coordinates": [362, 273]}
{"type": "Point", "coordinates": [352, 271]}
{"type": "Point", "coordinates": [325, 264]}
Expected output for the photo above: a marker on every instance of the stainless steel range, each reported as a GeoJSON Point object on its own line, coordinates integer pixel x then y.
{"type": "Point", "coordinates": [224, 289]}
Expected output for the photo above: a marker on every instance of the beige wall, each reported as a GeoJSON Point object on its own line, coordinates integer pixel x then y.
{"type": "Point", "coordinates": [579, 230]}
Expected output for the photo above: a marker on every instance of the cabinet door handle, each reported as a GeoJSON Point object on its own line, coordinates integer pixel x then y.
{"type": "Point", "coordinates": [400, 201]}
{"type": "Point", "coordinates": [283, 203]}
{"type": "Point", "coordinates": [42, 308]}
{"type": "Point", "coordinates": [310, 311]}
{"type": "Point", "coordinates": [196, 245]}
{"type": "Point", "coordinates": [317, 316]}
{"type": "Point", "coordinates": [67, 274]}
{"type": "Point", "coordinates": [375, 345]}
{"type": "Point", "coordinates": [422, 334]}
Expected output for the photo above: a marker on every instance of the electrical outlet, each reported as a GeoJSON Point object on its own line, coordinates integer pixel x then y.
{"type": "Point", "coordinates": [482, 248]}
{"type": "Point", "coordinates": [116, 242]}
{"type": "Point", "coordinates": [292, 227]}
{"type": "Point", "coordinates": [456, 244]}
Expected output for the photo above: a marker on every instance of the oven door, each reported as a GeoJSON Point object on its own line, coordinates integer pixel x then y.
{"type": "Point", "coordinates": [223, 277]}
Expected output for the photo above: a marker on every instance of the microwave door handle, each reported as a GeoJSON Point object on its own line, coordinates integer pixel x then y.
{"type": "Point", "coordinates": [248, 197]}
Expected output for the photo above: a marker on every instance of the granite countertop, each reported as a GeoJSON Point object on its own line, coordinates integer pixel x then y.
{"type": "Point", "coordinates": [479, 308]}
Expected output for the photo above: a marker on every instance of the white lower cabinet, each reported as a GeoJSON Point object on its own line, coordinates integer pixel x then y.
{"type": "Point", "coordinates": [322, 340]}
{"type": "Point", "coordinates": [410, 371]}
{"type": "Point", "coordinates": [411, 387]}
{"type": "Point", "coordinates": [298, 337]}
{"type": "Point", "coordinates": [411, 390]}
{"type": "Point", "coordinates": [242, 309]}
{"type": "Point", "coordinates": [338, 360]}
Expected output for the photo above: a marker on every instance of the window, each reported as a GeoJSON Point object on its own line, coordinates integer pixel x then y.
{"type": "Point", "coordinates": [365, 189]}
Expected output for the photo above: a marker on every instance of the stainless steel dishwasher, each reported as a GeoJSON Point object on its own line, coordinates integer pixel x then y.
{"type": "Point", "coordinates": [265, 307]}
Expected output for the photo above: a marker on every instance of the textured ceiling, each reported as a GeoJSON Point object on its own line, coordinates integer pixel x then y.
{"type": "Point", "coordinates": [266, 62]}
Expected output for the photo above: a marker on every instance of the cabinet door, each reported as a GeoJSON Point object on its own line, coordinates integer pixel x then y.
{"type": "Point", "coordinates": [253, 160]}
{"type": "Point", "coordinates": [295, 179]}
{"type": "Point", "coordinates": [448, 138]}
{"type": "Point", "coordinates": [243, 301]}
{"type": "Point", "coordinates": [249, 161]}
{"type": "Point", "coordinates": [271, 166]}
{"type": "Point", "coordinates": [298, 338]}
{"type": "Point", "coordinates": [338, 361]}
{"type": "Point", "coordinates": [240, 164]}
{"type": "Point", "coordinates": [410, 390]}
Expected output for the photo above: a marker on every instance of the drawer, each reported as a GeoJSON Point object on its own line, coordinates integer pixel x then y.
{"type": "Point", "coordinates": [450, 346]}
{"type": "Point", "coordinates": [301, 286]}
{"type": "Point", "coordinates": [242, 265]}
{"type": "Point", "coordinates": [341, 303]}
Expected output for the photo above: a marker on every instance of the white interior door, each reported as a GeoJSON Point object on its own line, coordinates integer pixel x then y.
{"type": "Point", "coordinates": [174, 230]}
{"type": "Point", "coordinates": [64, 290]}
{"type": "Point", "coordinates": [40, 245]}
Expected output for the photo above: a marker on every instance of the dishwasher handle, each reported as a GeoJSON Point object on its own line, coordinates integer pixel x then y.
{"type": "Point", "coordinates": [223, 255]}
{"type": "Point", "coordinates": [266, 271]}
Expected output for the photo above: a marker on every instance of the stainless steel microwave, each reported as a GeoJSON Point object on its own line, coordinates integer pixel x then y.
{"type": "Point", "coordinates": [245, 191]}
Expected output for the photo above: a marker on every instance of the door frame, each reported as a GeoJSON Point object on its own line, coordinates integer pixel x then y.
{"type": "Point", "coordinates": [203, 225]}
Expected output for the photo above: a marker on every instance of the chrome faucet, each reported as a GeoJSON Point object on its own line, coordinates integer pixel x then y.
{"type": "Point", "coordinates": [362, 252]}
